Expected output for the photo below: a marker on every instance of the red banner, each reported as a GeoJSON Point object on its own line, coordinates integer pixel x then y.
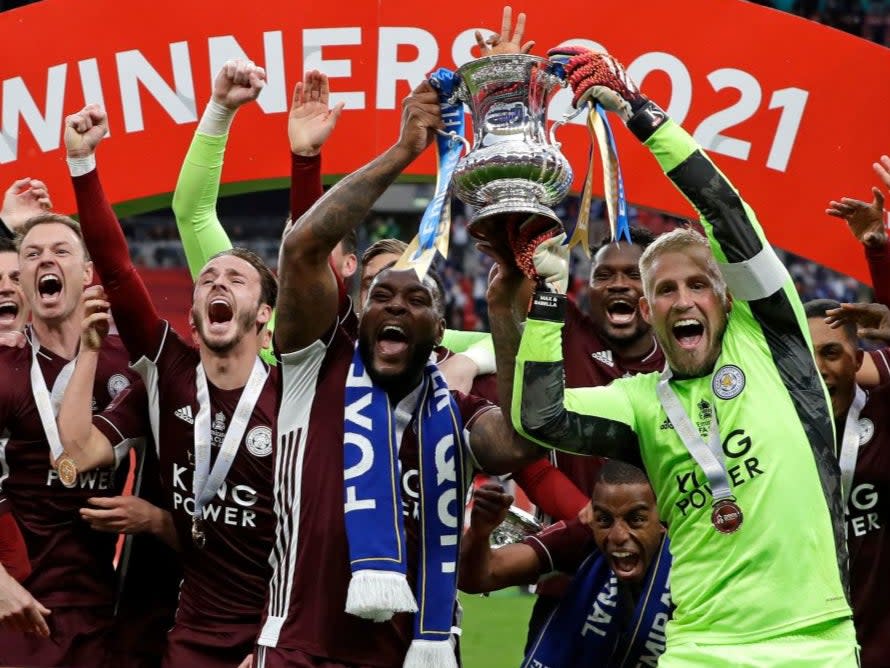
{"type": "Point", "coordinates": [793, 112]}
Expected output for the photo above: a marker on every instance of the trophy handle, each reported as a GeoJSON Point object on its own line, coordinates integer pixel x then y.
{"type": "Point", "coordinates": [566, 117]}
{"type": "Point", "coordinates": [456, 137]}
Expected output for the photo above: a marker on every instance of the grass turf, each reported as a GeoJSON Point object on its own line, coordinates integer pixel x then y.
{"type": "Point", "coordinates": [494, 629]}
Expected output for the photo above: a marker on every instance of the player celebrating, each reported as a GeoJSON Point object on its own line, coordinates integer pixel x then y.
{"type": "Point", "coordinates": [860, 419]}
{"type": "Point", "coordinates": [616, 608]}
{"type": "Point", "coordinates": [212, 414]}
{"type": "Point", "coordinates": [72, 570]}
{"type": "Point", "coordinates": [396, 406]}
{"type": "Point", "coordinates": [735, 488]}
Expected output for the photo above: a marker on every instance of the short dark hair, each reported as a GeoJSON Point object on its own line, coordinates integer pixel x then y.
{"type": "Point", "coordinates": [437, 289]}
{"type": "Point", "coordinates": [349, 243]}
{"type": "Point", "coordinates": [381, 247]}
{"type": "Point", "coordinates": [639, 236]}
{"type": "Point", "coordinates": [7, 245]}
{"type": "Point", "coordinates": [617, 472]}
{"type": "Point", "coordinates": [50, 218]}
{"type": "Point", "coordinates": [268, 282]}
{"type": "Point", "coordinates": [817, 308]}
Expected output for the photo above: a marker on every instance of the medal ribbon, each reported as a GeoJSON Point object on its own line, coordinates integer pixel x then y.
{"type": "Point", "coordinates": [206, 482]}
{"type": "Point", "coordinates": [435, 226]}
{"type": "Point", "coordinates": [709, 456]}
{"type": "Point", "coordinates": [613, 183]}
{"type": "Point", "coordinates": [850, 445]}
{"type": "Point", "coordinates": [48, 407]}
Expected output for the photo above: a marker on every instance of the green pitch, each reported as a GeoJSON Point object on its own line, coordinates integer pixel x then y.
{"type": "Point", "coordinates": [494, 629]}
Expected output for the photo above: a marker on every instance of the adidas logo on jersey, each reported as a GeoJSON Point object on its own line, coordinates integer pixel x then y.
{"type": "Point", "coordinates": [185, 414]}
{"type": "Point", "coordinates": [603, 356]}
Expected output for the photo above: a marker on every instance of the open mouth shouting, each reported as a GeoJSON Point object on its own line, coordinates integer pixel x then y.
{"type": "Point", "coordinates": [9, 310]}
{"type": "Point", "coordinates": [624, 563]}
{"type": "Point", "coordinates": [219, 314]}
{"type": "Point", "coordinates": [392, 342]}
{"type": "Point", "coordinates": [689, 333]}
{"type": "Point", "coordinates": [49, 289]}
{"type": "Point", "coordinates": [621, 311]}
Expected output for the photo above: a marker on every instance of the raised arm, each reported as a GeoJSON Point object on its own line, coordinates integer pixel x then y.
{"type": "Point", "coordinates": [483, 569]}
{"type": "Point", "coordinates": [197, 190]}
{"type": "Point", "coordinates": [138, 322]}
{"type": "Point", "coordinates": [307, 299]}
{"type": "Point", "coordinates": [309, 124]}
{"type": "Point", "coordinates": [531, 376]}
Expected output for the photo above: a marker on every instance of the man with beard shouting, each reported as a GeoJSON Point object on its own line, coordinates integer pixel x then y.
{"type": "Point", "coordinates": [370, 582]}
{"type": "Point", "coordinates": [211, 410]}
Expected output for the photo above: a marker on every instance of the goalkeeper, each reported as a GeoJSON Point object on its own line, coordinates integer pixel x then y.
{"type": "Point", "coordinates": [736, 433]}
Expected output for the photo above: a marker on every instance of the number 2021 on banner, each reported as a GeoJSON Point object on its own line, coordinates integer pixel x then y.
{"type": "Point", "coordinates": [713, 132]}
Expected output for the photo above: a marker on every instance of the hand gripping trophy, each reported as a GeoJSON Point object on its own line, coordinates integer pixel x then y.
{"type": "Point", "coordinates": [514, 172]}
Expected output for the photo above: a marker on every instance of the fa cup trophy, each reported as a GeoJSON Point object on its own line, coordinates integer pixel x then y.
{"type": "Point", "coordinates": [514, 168]}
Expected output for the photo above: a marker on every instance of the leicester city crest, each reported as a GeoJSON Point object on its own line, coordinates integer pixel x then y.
{"type": "Point", "coordinates": [729, 381]}
{"type": "Point", "coordinates": [259, 441]}
{"type": "Point", "coordinates": [116, 384]}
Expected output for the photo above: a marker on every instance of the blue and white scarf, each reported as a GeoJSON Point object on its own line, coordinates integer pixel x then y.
{"type": "Point", "coordinates": [586, 627]}
{"type": "Point", "coordinates": [373, 510]}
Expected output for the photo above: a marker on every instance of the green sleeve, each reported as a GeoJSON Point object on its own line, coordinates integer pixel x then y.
{"type": "Point", "coordinates": [194, 205]}
{"type": "Point", "coordinates": [587, 421]}
{"type": "Point", "coordinates": [458, 341]}
{"type": "Point", "coordinates": [752, 270]}
{"type": "Point", "coordinates": [194, 201]}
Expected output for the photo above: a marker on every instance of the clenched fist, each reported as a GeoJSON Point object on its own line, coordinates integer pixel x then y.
{"type": "Point", "coordinates": [84, 130]}
{"type": "Point", "coordinates": [238, 82]}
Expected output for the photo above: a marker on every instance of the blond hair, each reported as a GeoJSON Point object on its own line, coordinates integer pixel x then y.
{"type": "Point", "coordinates": [679, 241]}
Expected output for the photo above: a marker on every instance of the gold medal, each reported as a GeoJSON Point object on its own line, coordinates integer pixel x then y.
{"type": "Point", "coordinates": [67, 470]}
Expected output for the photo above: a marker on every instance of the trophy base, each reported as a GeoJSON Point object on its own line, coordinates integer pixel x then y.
{"type": "Point", "coordinates": [513, 204]}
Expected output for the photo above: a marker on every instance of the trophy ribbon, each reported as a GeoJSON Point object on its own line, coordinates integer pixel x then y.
{"type": "Point", "coordinates": [435, 226]}
{"type": "Point", "coordinates": [613, 183]}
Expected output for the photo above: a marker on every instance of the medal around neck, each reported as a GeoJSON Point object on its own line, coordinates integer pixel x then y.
{"type": "Point", "coordinates": [199, 538]}
{"type": "Point", "coordinates": [67, 471]}
{"type": "Point", "coordinates": [726, 516]}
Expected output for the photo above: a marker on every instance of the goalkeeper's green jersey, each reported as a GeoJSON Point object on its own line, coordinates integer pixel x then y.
{"type": "Point", "coordinates": [785, 568]}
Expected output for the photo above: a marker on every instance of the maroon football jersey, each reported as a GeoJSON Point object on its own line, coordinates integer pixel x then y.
{"type": "Point", "coordinates": [307, 592]}
{"type": "Point", "coordinates": [881, 359]}
{"type": "Point", "coordinates": [71, 563]}
{"type": "Point", "coordinates": [868, 514]}
{"type": "Point", "coordinates": [589, 362]}
{"type": "Point", "coordinates": [225, 582]}
{"type": "Point", "coordinates": [562, 546]}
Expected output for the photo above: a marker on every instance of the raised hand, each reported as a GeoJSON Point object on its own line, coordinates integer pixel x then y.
{"type": "Point", "coordinates": [84, 130]}
{"type": "Point", "coordinates": [506, 42]}
{"type": "Point", "coordinates": [96, 320]}
{"type": "Point", "coordinates": [237, 83]}
{"type": "Point", "coordinates": [421, 117]}
{"type": "Point", "coordinates": [866, 221]}
{"type": "Point", "coordinates": [311, 120]}
{"type": "Point", "coordinates": [872, 320]}
{"type": "Point", "coordinates": [490, 506]}
{"type": "Point", "coordinates": [24, 199]}
{"type": "Point", "coordinates": [882, 169]}
{"type": "Point", "coordinates": [598, 77]}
